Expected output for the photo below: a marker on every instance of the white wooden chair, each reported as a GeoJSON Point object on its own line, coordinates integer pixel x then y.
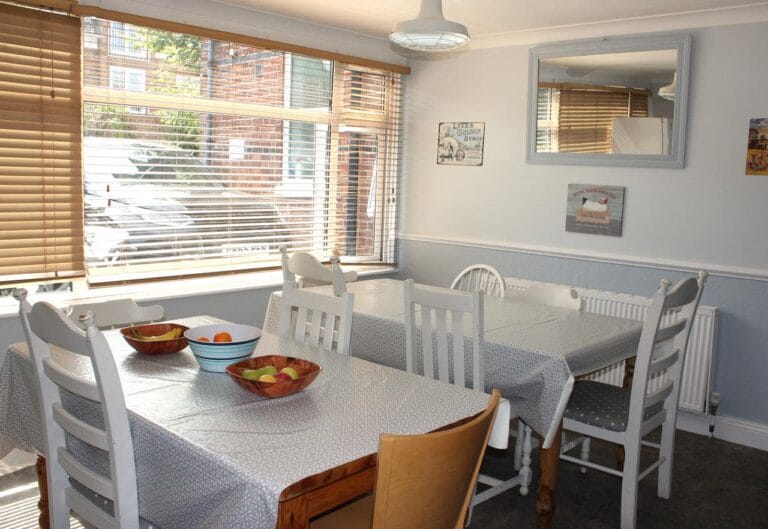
{"type": "Point", "coordinates": [447, 306]}
{"type": "Point", "coordinates": [311, 272]}
{"type": "Point", "coordinates": [104, 502]}
{"type": "Point", "coordinates": [452, 307]}
{"type": "Point", "coordinates": [117, 313]}
{"type": "Point", "coordinates": [625, 416]}
{"type": "Point", "coordinates": [481, 277]}
{"type": "Point", "coordinates": [554, 296]}
{"type": "Point", "coordinates": [307, 317]}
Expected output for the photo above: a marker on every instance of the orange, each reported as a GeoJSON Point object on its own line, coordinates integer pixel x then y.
{"type": "Point", "coordinates": [222, 336]}
{"type": "Point", "coordinates": [202, 339]}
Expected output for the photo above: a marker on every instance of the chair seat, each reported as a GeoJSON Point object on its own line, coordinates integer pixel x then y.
{"type": "Point", "coordinates": [356, 515]}
{"type": "Point", "coordinates": [104, 504]}
{"type": "Point", "coordinates": [603, 405]}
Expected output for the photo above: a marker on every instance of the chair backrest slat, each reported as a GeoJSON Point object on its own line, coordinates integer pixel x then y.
{"type": "Point", "coordinates": [481, 277]}
{"type": "Point", "coordinates": [117, 313]}
{"type": "Point", "coordinates": [441, 301]}
{"type": "Point", "coordinates": [660, 364]}
{"type": "Point", "coordinates": [80, 429]}
{"type": "Point", "coordinates": [85, 476]}
{"type": "Point", "coordinates": [74, 384]}
{"type": "Point", "coordinates": [296, 322]}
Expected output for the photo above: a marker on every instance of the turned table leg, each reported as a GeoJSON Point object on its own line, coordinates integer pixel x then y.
{"type": "Point", "coordinates": [550, 461]}
{"type": "Point", "coordinates": [42, 483]}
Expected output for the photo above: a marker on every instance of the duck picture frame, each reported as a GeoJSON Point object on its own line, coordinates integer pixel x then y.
{"type": "Point", "coordinates": [594, 209]}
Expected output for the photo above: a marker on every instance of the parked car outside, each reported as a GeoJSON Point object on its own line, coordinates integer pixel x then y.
{"type": "Point", "coordinates": [152, 202]}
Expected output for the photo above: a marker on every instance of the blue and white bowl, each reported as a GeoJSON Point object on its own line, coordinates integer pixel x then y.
{"type": "Point", "coordinates": [216, 356]}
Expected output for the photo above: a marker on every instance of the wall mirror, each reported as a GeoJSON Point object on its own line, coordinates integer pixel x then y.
{"type": "Point", "coordinates": [614, 101]}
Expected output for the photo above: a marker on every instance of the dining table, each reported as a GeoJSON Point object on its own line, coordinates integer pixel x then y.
{"type": "Point", "coordinates": [532, 354]}
{"type": "Point", "coordinates": [212, 455]}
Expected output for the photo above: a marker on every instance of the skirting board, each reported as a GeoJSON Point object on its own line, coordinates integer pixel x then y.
{"type": "Point", "coordinates": [731, 429]}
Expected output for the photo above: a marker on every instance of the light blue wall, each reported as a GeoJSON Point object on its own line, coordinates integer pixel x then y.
{"type": "Point", "coordinates": [741, 370]}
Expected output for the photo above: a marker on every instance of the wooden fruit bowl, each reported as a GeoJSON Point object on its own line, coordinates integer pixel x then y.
{"type": "Point", "coordinates": [307, 371]}
{"type": "Point", "coordinates": [158, 347]}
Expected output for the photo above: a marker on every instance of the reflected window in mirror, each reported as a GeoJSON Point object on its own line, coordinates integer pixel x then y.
{"type": "Point", "coordinates": [605, 103]}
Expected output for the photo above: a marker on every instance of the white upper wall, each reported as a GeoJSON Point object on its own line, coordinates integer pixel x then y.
{"type": "Point", "coordinates": [707, 215]}
{"type": "Point", "coordinates": [234, 19]}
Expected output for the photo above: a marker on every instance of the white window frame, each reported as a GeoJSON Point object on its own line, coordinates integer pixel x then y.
{"type": "Point", "coordinates": [120, 43]}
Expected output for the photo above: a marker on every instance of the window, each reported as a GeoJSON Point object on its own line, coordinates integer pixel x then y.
{"type": "Point", "coordinates": [579, 118]}
{"type": "Point", "coordinates": [124, 40]}
{"type": "Point", "coordinates": [239, 151]}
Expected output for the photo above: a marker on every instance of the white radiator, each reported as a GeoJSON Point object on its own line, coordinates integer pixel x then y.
{"type": "Point", "coordinates": [697, 374]}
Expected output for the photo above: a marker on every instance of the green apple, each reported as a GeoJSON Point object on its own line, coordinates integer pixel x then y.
{"type": "Point", "coordinates": [291, 372]}
{"type": "Point", "coordinates": [254, 374]}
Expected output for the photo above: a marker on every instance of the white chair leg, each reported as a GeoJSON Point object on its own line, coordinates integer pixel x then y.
{"type": "Point", "coordinates": [629, 485]}
{"type": "Point", "coordinates": [525, 468]}
{"type": "Point", "coordinates": [585, 442]}
{"type": "Point", "coordinates": [666, 448]}
{"type": "Point", "coordinates": [519, 444]}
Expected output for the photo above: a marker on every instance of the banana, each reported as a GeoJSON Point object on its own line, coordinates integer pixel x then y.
{"type": "Point", "coordinates": [170, 335]}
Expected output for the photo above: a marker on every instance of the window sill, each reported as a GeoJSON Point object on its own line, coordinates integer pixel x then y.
{"type": "Point", "coordinates": [174, 288]}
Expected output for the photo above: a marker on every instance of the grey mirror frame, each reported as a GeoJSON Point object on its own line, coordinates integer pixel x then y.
{"type": "Point", "coordinates": [676, 156]}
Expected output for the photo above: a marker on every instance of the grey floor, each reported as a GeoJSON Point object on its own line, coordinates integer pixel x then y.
{"type": "Point", "coordinates": [716, 485]}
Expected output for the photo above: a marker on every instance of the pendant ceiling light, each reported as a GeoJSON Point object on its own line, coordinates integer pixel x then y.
{"type": "Point", "coordinates": [668, 92]}
{"type": "Point", "coordinates": [430, 31]}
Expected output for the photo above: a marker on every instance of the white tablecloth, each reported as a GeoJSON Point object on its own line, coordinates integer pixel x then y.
{"type": "Point", "coordinates": [532, 351]}
{"type": "Point", "coordinates": [211, 455]}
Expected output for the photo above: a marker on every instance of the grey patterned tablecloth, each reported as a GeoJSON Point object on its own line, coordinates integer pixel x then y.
{"type": "Point", "coordinates": [532, 351]}
{"type": "Point", "coordinates": [211, 455]}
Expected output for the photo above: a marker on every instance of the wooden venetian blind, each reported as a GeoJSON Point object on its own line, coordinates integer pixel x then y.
{"type": "Point", "coordinates": [41, 223]}
{"type": "Point", "coordinates": [585, 117]}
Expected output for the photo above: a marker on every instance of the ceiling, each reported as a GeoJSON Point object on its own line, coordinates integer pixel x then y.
{"type": "Point", "coordinates": [484, 18]}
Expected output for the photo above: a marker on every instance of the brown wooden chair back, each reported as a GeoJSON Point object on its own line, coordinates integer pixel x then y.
{"type": "Point", "coordinates": [427, 481]}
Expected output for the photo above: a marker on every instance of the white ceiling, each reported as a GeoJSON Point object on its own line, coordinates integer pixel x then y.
{"type": "Point", "coordinates": [486, 18]}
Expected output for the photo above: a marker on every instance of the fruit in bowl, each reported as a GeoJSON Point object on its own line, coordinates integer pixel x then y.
{"type": "Point", "coordinates": [156, 338]}
{"type": "Point", "coordinates": [216, 346]}
{"type": "Point", "coordinates": [274, 376]}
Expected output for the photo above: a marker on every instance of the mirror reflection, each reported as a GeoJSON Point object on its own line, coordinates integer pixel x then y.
{"type": "Point", "coordinates": [609, 103]}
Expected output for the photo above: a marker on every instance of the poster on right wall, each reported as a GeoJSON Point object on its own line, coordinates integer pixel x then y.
{"type": "Point", "coordinates": [598, 210]}
{"type": "Point", "coordinates": [757, 147]}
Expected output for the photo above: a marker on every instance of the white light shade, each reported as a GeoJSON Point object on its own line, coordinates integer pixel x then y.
{"type": "Point", "coordinates": [668, 92]}
{"type": "Point", "coordinates": [430, 31]}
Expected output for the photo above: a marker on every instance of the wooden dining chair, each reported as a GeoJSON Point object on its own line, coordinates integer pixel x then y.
{"type": "Point", "coordinates": [117, 313]}
{"type": "Point", "coordinates": [625, 416]}
{"type": "Point", "coordinates": [309, 317]}
{"type": "Point", "coordinates": [482, 277]}
{"type": "Point", "coordinates": [311, 272]}
{"type": "Point", "coordinates": [102, 501]}
{"type": "Point", "coordinates": [422, 481]}
{"type": "Point", "coordinates": [553, 296]}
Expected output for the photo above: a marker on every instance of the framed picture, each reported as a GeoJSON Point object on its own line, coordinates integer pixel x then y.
{"type": "Point", "coordinates": [460, 143]}
{"type": "Point", "coordinates": [595, 209]}
{"type": "Point", "coordinates": [757, 147]}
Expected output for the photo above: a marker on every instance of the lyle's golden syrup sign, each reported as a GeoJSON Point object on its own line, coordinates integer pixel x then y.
{"type": "Point", "coordinates": [460, 143]}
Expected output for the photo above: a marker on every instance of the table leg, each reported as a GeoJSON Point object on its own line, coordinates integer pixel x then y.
{"type": "Point", "coordinates": [293, 514]}
{"type": "Point", "coordinates": [550, 461]}
{"type": "Point", "coordinates": [42, 484]}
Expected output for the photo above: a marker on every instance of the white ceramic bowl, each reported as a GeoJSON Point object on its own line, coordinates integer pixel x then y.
{"type": "Point", "coordinates": [216, 356]}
